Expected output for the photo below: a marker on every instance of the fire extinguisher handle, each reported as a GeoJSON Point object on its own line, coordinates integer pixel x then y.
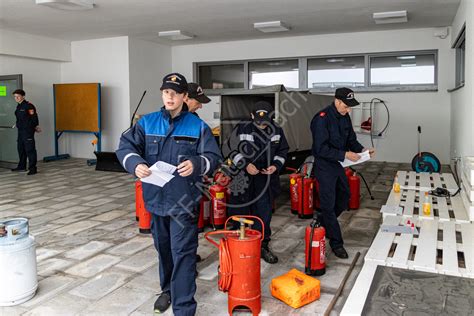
{"type": "Point", "coordinates": [248, 216]}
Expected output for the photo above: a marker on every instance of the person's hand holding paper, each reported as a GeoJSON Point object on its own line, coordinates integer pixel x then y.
{"type": "Point", "coordinates": [161, 174]}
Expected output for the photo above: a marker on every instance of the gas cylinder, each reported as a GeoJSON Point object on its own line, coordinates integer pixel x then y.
{"type": "Point", "coordinates": [144, 217]}
{"type": "Point", "coordinates": [218, 205]}
{"type": "Point", "coordinates": [354, 187]}
{"type": "Point", "coordinates": [315, 249]}
{"type": "Point", "coordinates": [239, 264]}
{"type": "Point", "coordinates": [17, 262]}
{"type": "Point", "coordinates": [305, 197]}
{"type": "Point", "coordinates": [294, 191]}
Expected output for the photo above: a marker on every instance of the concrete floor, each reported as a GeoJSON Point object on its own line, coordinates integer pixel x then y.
{"type": "Point", "coordinates": [93, 261]}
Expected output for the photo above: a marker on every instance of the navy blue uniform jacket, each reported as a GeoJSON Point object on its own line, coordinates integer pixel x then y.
{"type": "Point", "coordinates": [26, 118]}
{"type": "Point", "coordinates": [333, 136]}
{"type": "Point", "coordinates": [158, 137]}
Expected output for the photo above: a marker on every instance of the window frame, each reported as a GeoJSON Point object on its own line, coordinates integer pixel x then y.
{"type": "Point", "coordinates": [460, 60]}
{"type": "Point", "coordinates": [303, 72]}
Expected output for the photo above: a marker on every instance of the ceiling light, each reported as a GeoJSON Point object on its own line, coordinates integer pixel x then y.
{"type": "Point", "coordinates": [335, 60]}
{"type": "Point", "coordinates": [175, 35]}
{"type": "Point", "coordinates": [406, 57]}
{"type": "Point", "coordinates": [67, 4]}
{"type": "Point", "coordinates": [390, 17]}
{"type": "Point", "coordinates": [272, 26]}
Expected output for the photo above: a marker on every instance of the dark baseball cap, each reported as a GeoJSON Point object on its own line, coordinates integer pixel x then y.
{"type": "Point", "coordinates": [195, 92]}
{"type": "Point", "coordinates": [176, 82]}
{"type": "Point", "coordinates": [346, 95]}
{"type": "Point", "coordinates": [262, 111]}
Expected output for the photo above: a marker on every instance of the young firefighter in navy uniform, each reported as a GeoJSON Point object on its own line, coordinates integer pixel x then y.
{"type": "Point", "coordinates": [260, 155]}
{"type": "Point", "coordinates": [27, 124]}
{"type": "Point", "coordinates": [333, 141]}
{"type": "Point", "coordinates": [179, 138]}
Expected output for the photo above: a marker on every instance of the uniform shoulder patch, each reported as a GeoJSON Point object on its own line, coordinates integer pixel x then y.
{"type": "Point", "coordinates": [31, 111]}
{"type": "Point", "coordinates": [322, 114]}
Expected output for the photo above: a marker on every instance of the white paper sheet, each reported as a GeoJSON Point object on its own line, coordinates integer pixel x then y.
{"type": "Point", "coordinates": [161, 174]}
{"type": "Point", "coordinates": [392, 209]}
{"type": "Point", "coordinates": [364, 156]}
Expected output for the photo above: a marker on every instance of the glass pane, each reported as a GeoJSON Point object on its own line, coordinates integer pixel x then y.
{"type": "Point", "coordinates": [402, 70]}
{"type": "Point", "coordinates": [272, 72]}
{"type": "Point", "coordinates": [336, 72]}
{"type": "Point", "coordinates": [221, 76]}
{"type": "Point", "coordinates": [8, 135]}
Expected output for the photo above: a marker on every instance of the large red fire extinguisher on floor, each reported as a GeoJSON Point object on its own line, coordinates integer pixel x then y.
{"type": "Point", "coordinates": [354, 187]}
{"type": "Point", "coordinates": [315, 249]}
{"type": "Point", "coordinates": [144, 217]}
{"type": "Point", "coordinates": [218, 205]}
{"type": "Point", "coordinates": [239, 264]}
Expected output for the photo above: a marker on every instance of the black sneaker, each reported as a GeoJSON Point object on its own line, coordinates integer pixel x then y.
{"type": "Point", "coordinates": [268, 256]}
{"type": "Point", "coordinates": [340, 252]}
{"type": "Point", "coordinates": [162, 303]}
{"type": "Point", "coordinates": [31, 172]}
{"type": "Point", "coordinates": [18, 169]}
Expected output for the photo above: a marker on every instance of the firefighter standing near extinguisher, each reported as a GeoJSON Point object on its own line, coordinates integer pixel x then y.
{"type": "Point", "coordinates": [260, 155]}
{"type": "Point", "coordinates": [333, 141]}
{"type": "Point", "coordinates": [174, 136]}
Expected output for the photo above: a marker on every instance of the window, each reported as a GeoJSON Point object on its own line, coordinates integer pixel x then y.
{"type": "Point", "coordinates": [221, 76]}
{"type": "Point", "coordinates": [268, 73]}
{"type": "Point", "coordinates": [336, 72]}
{"type": "Point", "coordinates": [406, 69]}
{"type": "Point", "coordinates": [460, 46]}
{"type": "Point", "coordinates": [368, 72]}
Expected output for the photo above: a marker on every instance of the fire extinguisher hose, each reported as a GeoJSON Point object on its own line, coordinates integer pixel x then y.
{"type": "Point", "coordinates": [225, 266]}
{"type": "Point", "coordinates": [225, 261]}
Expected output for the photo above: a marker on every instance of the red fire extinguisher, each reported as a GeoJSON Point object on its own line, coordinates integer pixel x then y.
{"type": "Point", "coordinates": [239, 264]}
{"type": "Point", "coordinates": [305, 197]}
{"type": "Point", "coordinates": [294, 191]}
{"type": "Point", "coordinates": [205, 210]}
{"type": "Point", "coordinates": [315, 249]}
{"type": "Point", "coordinates": [144, 217]}
{"type": "Point", "coordinates": [218, 205]}
{"type": "Point", "coordinates": [354, 187]}
{"type": "Point", "coordinates": [316, 200]}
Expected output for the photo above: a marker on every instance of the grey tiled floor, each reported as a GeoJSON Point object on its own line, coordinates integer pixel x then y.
{"type": "Point", "coordinates": [93, 261]}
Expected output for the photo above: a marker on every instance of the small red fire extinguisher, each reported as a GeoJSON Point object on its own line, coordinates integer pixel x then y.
{"type": "Point", "coordinates": [315, 249]}
{"type": "Point", "coordinates": [354, 187]}
{"type": "Point", "coordinates": [218, 205]}
{"type": "Point", "coordinates": [294, 188]}
{"type": "Point", "coordinates": [305, 198]}
{"type": "Point", "coordinates": [144, 217]}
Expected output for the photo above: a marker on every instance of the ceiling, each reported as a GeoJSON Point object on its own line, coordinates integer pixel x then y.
{"type": "Point", "coordinates": [217, 20]}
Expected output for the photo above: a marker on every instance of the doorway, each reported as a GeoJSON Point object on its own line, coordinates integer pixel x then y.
{"type": "Point", "coordinates": [8, 135]}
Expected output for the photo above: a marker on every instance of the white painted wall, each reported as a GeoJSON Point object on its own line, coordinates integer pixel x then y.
{"type": "Point", "coordinates": [33, 46]}
{"type": "Point", "coordinates": [38, 79]}
{"type": "Point", "coordinates": [462, 112]}
{"type": "Point", "coordinates": [431, 110]}
{"type": "Point", "coordinates": [105, 61]}
{"type": "Point", "coordinates": [149, 63]}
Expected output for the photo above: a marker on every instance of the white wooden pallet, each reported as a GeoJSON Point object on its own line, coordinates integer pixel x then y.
{"type": "Point", "coordinates": [442, 247]}
{"type": "Point", "coordinates": [431, 255]}
{"type": "Point", "coordinates": [424, 181]}
{"type": "Point", "coordinates": [442, 208]}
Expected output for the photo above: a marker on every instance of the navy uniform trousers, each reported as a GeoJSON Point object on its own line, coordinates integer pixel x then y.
{"type": "Point", "coordinates": [176, 239]}
{"type": "Point", "coordinates": [334, 197]}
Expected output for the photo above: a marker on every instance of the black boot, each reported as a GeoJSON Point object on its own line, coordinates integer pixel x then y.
{"type": "Point", "coordinates": [32, 171]}
{"type": "Point", "coordinates": [340, 252]}
{"type": "Point", "coordinates": [268, 255]}
{"type": "Point", "coordinates": [18, 169]}
{"type": "Point", "coordinates": [162, 303]}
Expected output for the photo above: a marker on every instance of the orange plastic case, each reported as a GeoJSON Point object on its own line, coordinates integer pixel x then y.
{"type": "Point", "coordinates": [296, 288]}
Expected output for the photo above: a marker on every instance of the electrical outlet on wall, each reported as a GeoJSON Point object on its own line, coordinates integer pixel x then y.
{"type": "Point", "coordinates": [217, 115]}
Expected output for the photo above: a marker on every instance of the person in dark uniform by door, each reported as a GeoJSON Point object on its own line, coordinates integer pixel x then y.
{"type": "Point", "coordinates": [334, 140]}
{"type": "Point", "coordinates": [27, 124]}
{"type": "Point", "coordinates": [257, 160]}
